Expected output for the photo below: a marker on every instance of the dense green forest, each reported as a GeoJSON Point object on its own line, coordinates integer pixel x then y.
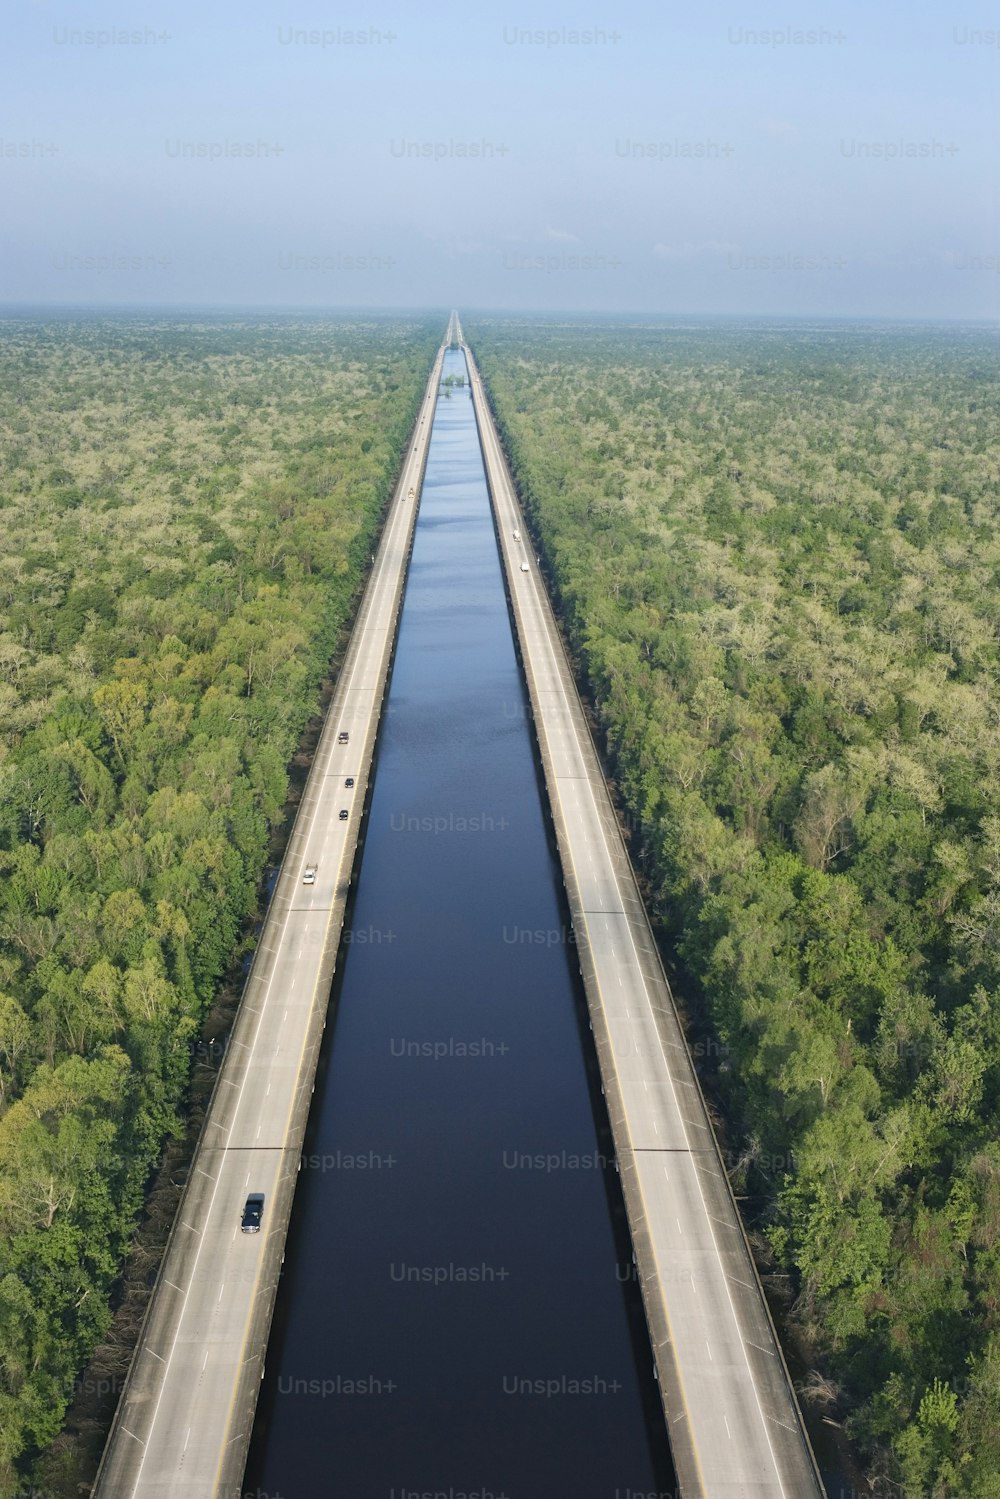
{"type": "Point", "coordinates": [777, 556]}
{"type": "Point", "coordinates": [186, 513]}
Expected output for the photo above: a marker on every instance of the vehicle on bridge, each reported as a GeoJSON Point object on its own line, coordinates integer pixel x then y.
{"type": "Point", "coordinates": [525, 568]}
{"type": "Point", "coordinates": [411, 493]}
{"type": "Point", "coordinates": [344, 814]}
{"type": "Point", "coordinates": [517, 534]}
{"type": "Point", "coordinates": [253, 1211]}
{"type": "Point", "coordinates": [342, 737]}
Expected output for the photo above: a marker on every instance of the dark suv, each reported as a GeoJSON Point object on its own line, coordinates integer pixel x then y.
{"type": "Point", "coordinates": [342, 737]}
{"type": "Point", "coordinates": [253, 1211]}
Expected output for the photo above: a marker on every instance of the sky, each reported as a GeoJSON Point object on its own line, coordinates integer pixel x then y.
{"type": "Point", "coordinates": [752, 157]}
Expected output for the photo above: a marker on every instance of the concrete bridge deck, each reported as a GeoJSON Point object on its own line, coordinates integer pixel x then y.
{"type": "Point", "coordinates": [184, 1421]}
{"type": "Point", "coordinates": [734, 1424]}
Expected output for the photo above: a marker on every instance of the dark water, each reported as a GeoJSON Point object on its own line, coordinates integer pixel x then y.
{"type": "Point", "coordinates": [454, 1318]}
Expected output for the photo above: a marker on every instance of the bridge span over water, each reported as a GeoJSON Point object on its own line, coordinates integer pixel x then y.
{"type": "Point", "coordinates": [184, 1421]}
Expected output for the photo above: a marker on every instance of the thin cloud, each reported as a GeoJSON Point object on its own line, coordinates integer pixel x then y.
{"type": "Point", "coordinates": [689, 251]}
{"type": "Point", "coordinates": [780, 129]}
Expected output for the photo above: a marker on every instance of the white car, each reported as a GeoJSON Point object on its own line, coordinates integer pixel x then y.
{"type": "Point", "coordinates": [525, 568]}
{"type": "Point", "coordinates": [309, 878]}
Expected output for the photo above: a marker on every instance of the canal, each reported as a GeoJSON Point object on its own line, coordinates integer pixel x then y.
{"type": "Point", "coordinates": [458, 1313]}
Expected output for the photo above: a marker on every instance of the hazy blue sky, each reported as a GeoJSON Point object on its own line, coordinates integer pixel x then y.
{"type": "Point", "coordinates": [713, 157]}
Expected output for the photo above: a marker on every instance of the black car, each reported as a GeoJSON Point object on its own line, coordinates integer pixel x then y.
{"type": "Point", "coordinates": [349, 781]}
{"type": "Point", "coordinates": [253, 1211]}
{"type": "Point", "coordinates": [344, 814]}
{"type": "Point", "coordinates": [342, 737]}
